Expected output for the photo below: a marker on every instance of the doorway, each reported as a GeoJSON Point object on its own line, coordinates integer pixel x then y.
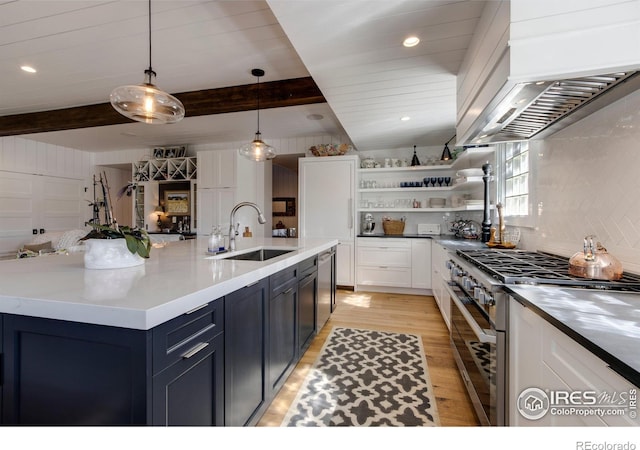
{"type": "Point", "coordinates": [284, 185]}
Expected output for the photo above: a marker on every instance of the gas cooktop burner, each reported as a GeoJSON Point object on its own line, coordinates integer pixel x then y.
{"type": "Point", "coordinates": [525, 267]}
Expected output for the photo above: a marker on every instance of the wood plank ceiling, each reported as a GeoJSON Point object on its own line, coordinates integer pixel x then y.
{"type": "Point", "coordinates": [205, 50]}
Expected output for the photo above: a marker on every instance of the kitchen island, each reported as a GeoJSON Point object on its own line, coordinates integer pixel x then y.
{"type": "Point", "coordinates": [185, 339]}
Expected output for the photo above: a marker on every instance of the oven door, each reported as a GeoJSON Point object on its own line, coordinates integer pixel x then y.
{"type": "Point", "coordinates": [474, 339]}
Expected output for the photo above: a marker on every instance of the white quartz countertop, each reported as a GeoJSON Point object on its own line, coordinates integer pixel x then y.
{"type": "Point", "coordinates": [606, 323]}
{"type": "Point", "coordinates": [175, 279]}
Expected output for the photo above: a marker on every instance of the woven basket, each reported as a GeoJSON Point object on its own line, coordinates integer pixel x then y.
{"type": "Point", "coordinates": [393, 226]}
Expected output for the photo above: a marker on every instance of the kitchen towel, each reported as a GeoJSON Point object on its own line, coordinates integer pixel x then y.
{"type": "Point", "coordinates": [366, 378]}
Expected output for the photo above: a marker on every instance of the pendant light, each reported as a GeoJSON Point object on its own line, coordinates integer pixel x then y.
{"type": "Point", "coordinates": [145, 102]}
{"type": "Point", "coordinates": [446, 153]}
{"type": "Point", "coordinates": [258, 150]}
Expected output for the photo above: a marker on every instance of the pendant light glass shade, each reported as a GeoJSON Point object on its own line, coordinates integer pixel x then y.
{"type": "Point", "coordinates": [257, 150]}
{"type": "Point", "coordinates": [145, 102]}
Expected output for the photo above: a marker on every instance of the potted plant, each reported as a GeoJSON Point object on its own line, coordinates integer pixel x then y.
{"type": "Point", "coordinates": [113, 247]}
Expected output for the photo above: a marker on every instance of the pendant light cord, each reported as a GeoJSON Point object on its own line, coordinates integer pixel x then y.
{"type": "Point", "coordinates": [150, 71]}
{"type": "Point", "coordinates": [258, 105]}
{"type": "Point", "coordinates": [150, 36]}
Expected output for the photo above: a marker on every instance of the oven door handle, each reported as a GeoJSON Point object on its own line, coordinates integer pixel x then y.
{"type": "Point", "coordinates": [482, 335]}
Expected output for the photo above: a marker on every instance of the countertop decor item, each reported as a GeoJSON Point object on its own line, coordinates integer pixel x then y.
{"type": "Point", "coordinates": [329, 149]}
{"type": "Point", "coordinates": [390, 226]}
{"type": "Point", "coordinates": [145, 102]}
{"type": "Point", "coordinates": [114, 247]}
{"type": "Point", "coordinates": [594, 262]}
{"type": "Point", "coordinates": [258, 150]}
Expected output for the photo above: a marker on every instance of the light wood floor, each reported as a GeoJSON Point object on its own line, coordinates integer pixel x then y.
{"type": "Point", "coordinates": [411, 314]}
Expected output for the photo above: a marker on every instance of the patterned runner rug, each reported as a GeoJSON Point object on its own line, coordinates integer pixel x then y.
{"type": "Point", "coordinates": [366, 378]}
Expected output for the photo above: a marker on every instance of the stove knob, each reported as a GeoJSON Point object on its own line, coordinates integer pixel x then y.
{"type": "Point", "coordinates": [489, 300]}
{"type": "Point", "coordinates": [479, 294]}
{"type": "Point", "coordinates": [468, 283]}
{"type": "Point", "coordinates": [449, 264]}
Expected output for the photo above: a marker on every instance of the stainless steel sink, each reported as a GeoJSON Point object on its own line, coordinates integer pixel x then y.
{"type": "Point", "coordinates": [259, 255]}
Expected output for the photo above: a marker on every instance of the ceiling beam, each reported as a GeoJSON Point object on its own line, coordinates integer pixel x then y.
{"type": "Point", "coordinates": [273, 94]}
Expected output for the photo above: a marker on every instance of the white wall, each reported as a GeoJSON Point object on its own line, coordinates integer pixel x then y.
{"type": "Point", "coordinates": [42, 186]}
{"type": "Point", "coordinates": [589, 183]}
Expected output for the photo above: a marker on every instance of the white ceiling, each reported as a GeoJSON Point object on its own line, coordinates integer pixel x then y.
{"type": "Point", "coordinates": [352, 49]}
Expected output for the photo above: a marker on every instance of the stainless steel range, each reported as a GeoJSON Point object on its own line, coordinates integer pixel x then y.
{"type": "Point", "coordinates": [480, 315]}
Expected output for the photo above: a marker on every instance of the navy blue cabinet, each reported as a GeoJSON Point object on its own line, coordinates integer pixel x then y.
{"type": "Point", "coordinates": [283, 326]}
{"type": "Point", "coordinates": [188, 368]}
{"type": "Point", "coordinates": [307, 298]}
{"type": "Point", "coordinates": [1, 365]}
{"type": "Point", "coordinates": [57, 372]}
{"type": "Point", "coordinates": [246, 354]}
{"type": "Point", "coordinates": [67, 373]}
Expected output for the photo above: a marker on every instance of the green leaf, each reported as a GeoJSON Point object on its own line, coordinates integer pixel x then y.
{"type": "Point", "coordinates": [132, 243]}
{"type": "Point", "coordinates": [143, 250]}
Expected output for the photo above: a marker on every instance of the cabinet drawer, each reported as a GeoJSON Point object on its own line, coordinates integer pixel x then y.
{"type": "Point", "coordinates": [180, 337]}
{"type": "Point", "coordinates": [384, 276]}
{"type": "Point", "coordinates": [308, 265]}
{"type": "Point", "coordinates": [384, 256]}
{"type": "Point", "coordinates": [384, 242]}
{"type": "Point", "coordinates": [279, 282]}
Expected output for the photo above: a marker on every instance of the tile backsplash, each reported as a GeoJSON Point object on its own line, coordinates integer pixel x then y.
{"type": "Point", "coordinates": [589, 183]}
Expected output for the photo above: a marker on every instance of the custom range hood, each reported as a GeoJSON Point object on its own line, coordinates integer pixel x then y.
{"type": "Point", "coordinates": [538, 109]}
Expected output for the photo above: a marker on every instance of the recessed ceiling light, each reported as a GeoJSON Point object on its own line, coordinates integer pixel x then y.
{"type": "Point", "coordinates": [28, 69]}
{"type": "Point", "coordinates": [405, 118]}
{"type": "Point", "coordinates": [315, 117]}
{"type": "Point", "coordinates": [411, 41]}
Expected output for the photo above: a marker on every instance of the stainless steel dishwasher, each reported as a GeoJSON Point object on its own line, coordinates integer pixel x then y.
{"type": "Point", "coordinates": [326, 287]}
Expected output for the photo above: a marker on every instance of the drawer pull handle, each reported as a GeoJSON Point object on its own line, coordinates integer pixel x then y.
{"type": "Point", "coordinates": [194, 350]}
{"type": "Point", "coordinates": [288, 291]}
{"type": "Point", "coordinates": [198, 308]}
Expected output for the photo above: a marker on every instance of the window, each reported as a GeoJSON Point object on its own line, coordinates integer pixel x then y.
{"type": "Point", "coordinates": [514, 182]}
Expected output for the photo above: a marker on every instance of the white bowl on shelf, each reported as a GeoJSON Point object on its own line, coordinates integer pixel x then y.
{"type": "Point", "coordinates": [437, 202]}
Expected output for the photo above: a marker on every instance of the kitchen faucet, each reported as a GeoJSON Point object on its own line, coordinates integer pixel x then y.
{"type": "Point", "coordinates": [233, 231]}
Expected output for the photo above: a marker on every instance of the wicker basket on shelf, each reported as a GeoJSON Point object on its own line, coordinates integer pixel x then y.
{"type": "Point", "coordinates": [393, 226]}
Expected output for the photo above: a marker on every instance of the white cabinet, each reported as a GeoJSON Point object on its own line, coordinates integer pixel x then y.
{"type": "Point", "coordinates": [439, 279]}
{"type": "Point", "coordinates": [225, 179]}
{"type": "Point", "coordinates": [217, 168]}
{"type": "Point", "coordinates": [421, 263]}
{"type": "Point", "coordinates": [542, 356]}
{"type": "Point", "coordinates": [326, 196]}
{"type": "Point", "coordinates": [345, 254]}
{"type": "Point", "coordinates": [214, 208]}
{"type": "Point", "coordinates": [384, 264]}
